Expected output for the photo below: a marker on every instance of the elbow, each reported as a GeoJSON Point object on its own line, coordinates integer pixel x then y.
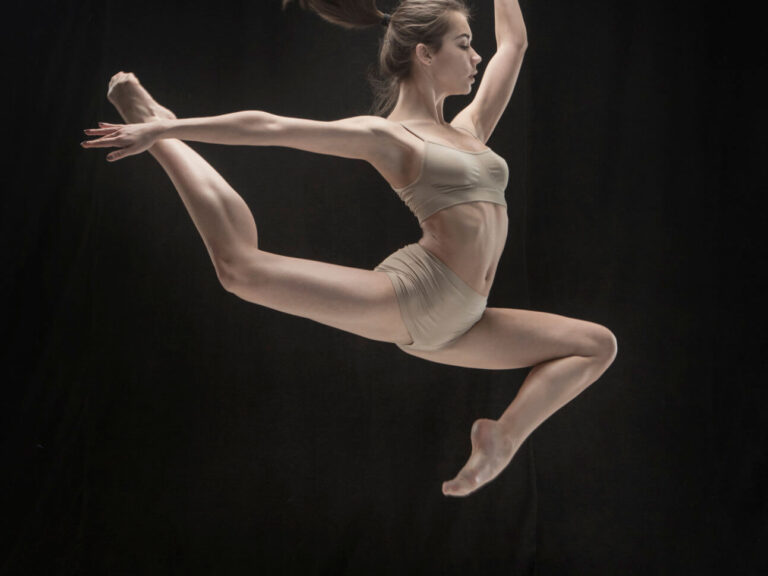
{"type": "Point", "coordinates": [226, 274]}
{"type": "Point", "coordinates": [261, 127]}
{"type": "Point", "coordinates": [243, 275]}
{"type": "Point", "coordinates": [518, 42]}
{"type": "Point", "coordinates": [231, 269]}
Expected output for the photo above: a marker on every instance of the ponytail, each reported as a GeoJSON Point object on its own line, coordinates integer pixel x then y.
{"type": "Point", "coordinates": [348, 14]}
{"type": "Point", "coordinates": [411, 23]}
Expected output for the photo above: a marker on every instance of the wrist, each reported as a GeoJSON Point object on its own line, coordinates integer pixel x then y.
{"type": "Point", "coordinates": [161, 127]}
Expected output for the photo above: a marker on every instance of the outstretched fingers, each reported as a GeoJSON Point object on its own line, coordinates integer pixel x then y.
{"type": "Point", "coordinates": [112, 143]}
{"type": "Point", "coordinates": [104, 128]}
{"type": "Point", "coordinates": [106, 142]}
{"type": "Point", "coordinates": [103, 142]}
{"type": "Point", "coordinates": [118, 154]}
{"type": "Point", "coordinates": [132, 139]}
{"type": "Point", "coordinates": [99, 131]}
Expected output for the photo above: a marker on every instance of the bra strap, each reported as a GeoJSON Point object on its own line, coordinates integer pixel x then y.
{"type": "Point", "coordinates": [465, 130]}
{"type": "Point", "coordinates": [411, 131]}
{"type": "Point", "coordinates": [420, 138]}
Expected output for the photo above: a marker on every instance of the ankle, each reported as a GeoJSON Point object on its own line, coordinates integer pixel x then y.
{"type": "Point", "coordinates": [146, 118]}
{"type": "Point", "coordinates": [510, 429]}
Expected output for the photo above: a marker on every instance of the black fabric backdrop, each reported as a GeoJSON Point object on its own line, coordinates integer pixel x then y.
{"type": "Point", "coordinates": [152, 423]}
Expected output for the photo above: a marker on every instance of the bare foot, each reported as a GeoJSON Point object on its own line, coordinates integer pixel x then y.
{"type": "Point", "coordinates": [132, 101]}
{"type": "Point", "coordinates": [492, 450]}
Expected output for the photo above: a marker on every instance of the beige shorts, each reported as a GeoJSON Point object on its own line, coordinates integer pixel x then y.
{"type": "Point", "coordinates": [436, 305]}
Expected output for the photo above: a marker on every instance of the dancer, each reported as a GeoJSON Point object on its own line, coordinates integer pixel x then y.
{"type": "Point", "coordinates": [429, 298]}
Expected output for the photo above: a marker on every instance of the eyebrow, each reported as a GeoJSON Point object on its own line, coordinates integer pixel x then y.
{"type": "Point", "coordinates": [460, 35]}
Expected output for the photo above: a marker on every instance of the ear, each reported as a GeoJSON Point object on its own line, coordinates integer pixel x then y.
{"type": "Point", "coordinates": [423, 54]}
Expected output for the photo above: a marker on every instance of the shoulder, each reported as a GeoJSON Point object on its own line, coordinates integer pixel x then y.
{"type": "Point", "coordinates": [399, 153]}
{"type": "Point", "coordinates": [379, 141]}
{"type": "Point", "coordinates": [466, 122]}
{"type": "Point", "coordinates": [393, 133]}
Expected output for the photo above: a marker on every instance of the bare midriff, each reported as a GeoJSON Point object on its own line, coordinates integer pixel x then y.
{"type": "Point", "coordinates": [469, 238]}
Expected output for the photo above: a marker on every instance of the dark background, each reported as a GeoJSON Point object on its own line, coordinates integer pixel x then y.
{"type": "Point", "coordinates": [152, 423]}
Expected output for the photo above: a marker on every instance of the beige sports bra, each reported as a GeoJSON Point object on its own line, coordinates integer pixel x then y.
{"type": "Point", "coordinates": [451, 176]}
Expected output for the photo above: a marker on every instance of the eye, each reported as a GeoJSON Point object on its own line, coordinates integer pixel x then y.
{"type": "Point", "coordinates": [464, 47]}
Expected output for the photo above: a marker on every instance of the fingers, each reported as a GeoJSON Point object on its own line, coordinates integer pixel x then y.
{"type": "Point", "coordinates": [109, 143]}
{"type": "Point", "coordinates": [117, 154]}
{"type": "Point", "coordinates": [103, 142]}
{"type": "Point", "coordinates": [112, 136]}
{"type": "Point", "coordinates": [105, 128]}
{"type": "Point", "coordinates": [122, 153]}
{"type": "Point", "coordinates": [101, 130]}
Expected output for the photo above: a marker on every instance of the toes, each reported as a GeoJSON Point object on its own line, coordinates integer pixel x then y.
{"type": "Point", "coordinates": [464, 483]}
{"type": "Point", "coordinates": [454, 488]}
{"type": "Point", "coordinates": [122, 77]}
{"type": "Point", "coordinates": [451, 488]}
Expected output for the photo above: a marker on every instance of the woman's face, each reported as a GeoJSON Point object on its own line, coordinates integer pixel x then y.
{"type": "Point", "coordinates": [456, 62]}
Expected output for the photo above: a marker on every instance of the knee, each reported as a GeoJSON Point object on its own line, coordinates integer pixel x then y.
{"type": "Point", "coordinates": [606, 345]}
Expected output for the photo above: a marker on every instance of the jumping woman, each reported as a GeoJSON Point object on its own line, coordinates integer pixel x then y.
{"type": "Point", "coordinates": [429, 298]}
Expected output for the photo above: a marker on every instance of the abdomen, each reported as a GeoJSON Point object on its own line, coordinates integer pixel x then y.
{"type": "Point", "coordinates": [469, 238]}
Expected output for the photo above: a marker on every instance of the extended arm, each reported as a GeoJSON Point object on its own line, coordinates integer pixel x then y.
{"type": "Point", "coordinates": [369, 138]}
{"type": "Point", "coordinates": [246, 128]}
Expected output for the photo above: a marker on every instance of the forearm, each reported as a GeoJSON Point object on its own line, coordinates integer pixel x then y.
{"type": "Point", "coordinates": [510, 27]}
{"type": "Point", "coordinates": [245, 128]}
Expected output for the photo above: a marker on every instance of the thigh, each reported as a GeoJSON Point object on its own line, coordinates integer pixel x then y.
{"type": "Point", "coordinates": [355, 300]}
{"type": "Point", "coordinates": [508, 338]}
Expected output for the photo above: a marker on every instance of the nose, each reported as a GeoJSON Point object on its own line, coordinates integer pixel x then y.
{"type": "Point", "coordinates": [477, 56]}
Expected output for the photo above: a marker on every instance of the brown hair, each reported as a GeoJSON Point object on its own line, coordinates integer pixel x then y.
{"type": "Point", "coordinates": [411, 23]}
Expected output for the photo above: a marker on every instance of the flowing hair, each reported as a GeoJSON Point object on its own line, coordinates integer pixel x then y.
{"type": "Point", "coordinates": [412, 22]}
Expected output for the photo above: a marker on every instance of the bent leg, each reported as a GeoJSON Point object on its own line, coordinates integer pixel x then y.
{"type": "Point", "coordinates": [509, 338]}
{"type": "Point", "coordinates": [567, 354]}
{"type": "Point", "coordinates": [359, 301]}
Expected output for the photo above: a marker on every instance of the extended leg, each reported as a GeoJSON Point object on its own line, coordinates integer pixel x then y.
{"type": "Point", "coordinates": [221, 216]}
{"type": "Point", "coordinates": [567, 356]}
{"type": "Point", "coordinates": [355, 300]}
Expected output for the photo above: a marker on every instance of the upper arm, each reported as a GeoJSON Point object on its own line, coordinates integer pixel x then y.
{"type": "Point", "coordinates": [494, 92]}
{"type": "Point", "coordinates": [367, 138]}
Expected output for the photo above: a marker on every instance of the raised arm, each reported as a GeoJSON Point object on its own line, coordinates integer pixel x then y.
{"type": "Point", "coordinates": [500, 77]}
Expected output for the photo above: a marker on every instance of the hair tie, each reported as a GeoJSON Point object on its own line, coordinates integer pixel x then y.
{"type": "Point", "coordinates": [385, 19]}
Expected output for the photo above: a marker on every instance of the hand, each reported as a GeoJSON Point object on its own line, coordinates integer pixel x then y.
{"type": "Point", "coordinates": [130, 138]}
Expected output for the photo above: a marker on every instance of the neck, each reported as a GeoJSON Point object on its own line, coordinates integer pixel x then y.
{"type": "Point", "coordinates": [418, 100]}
